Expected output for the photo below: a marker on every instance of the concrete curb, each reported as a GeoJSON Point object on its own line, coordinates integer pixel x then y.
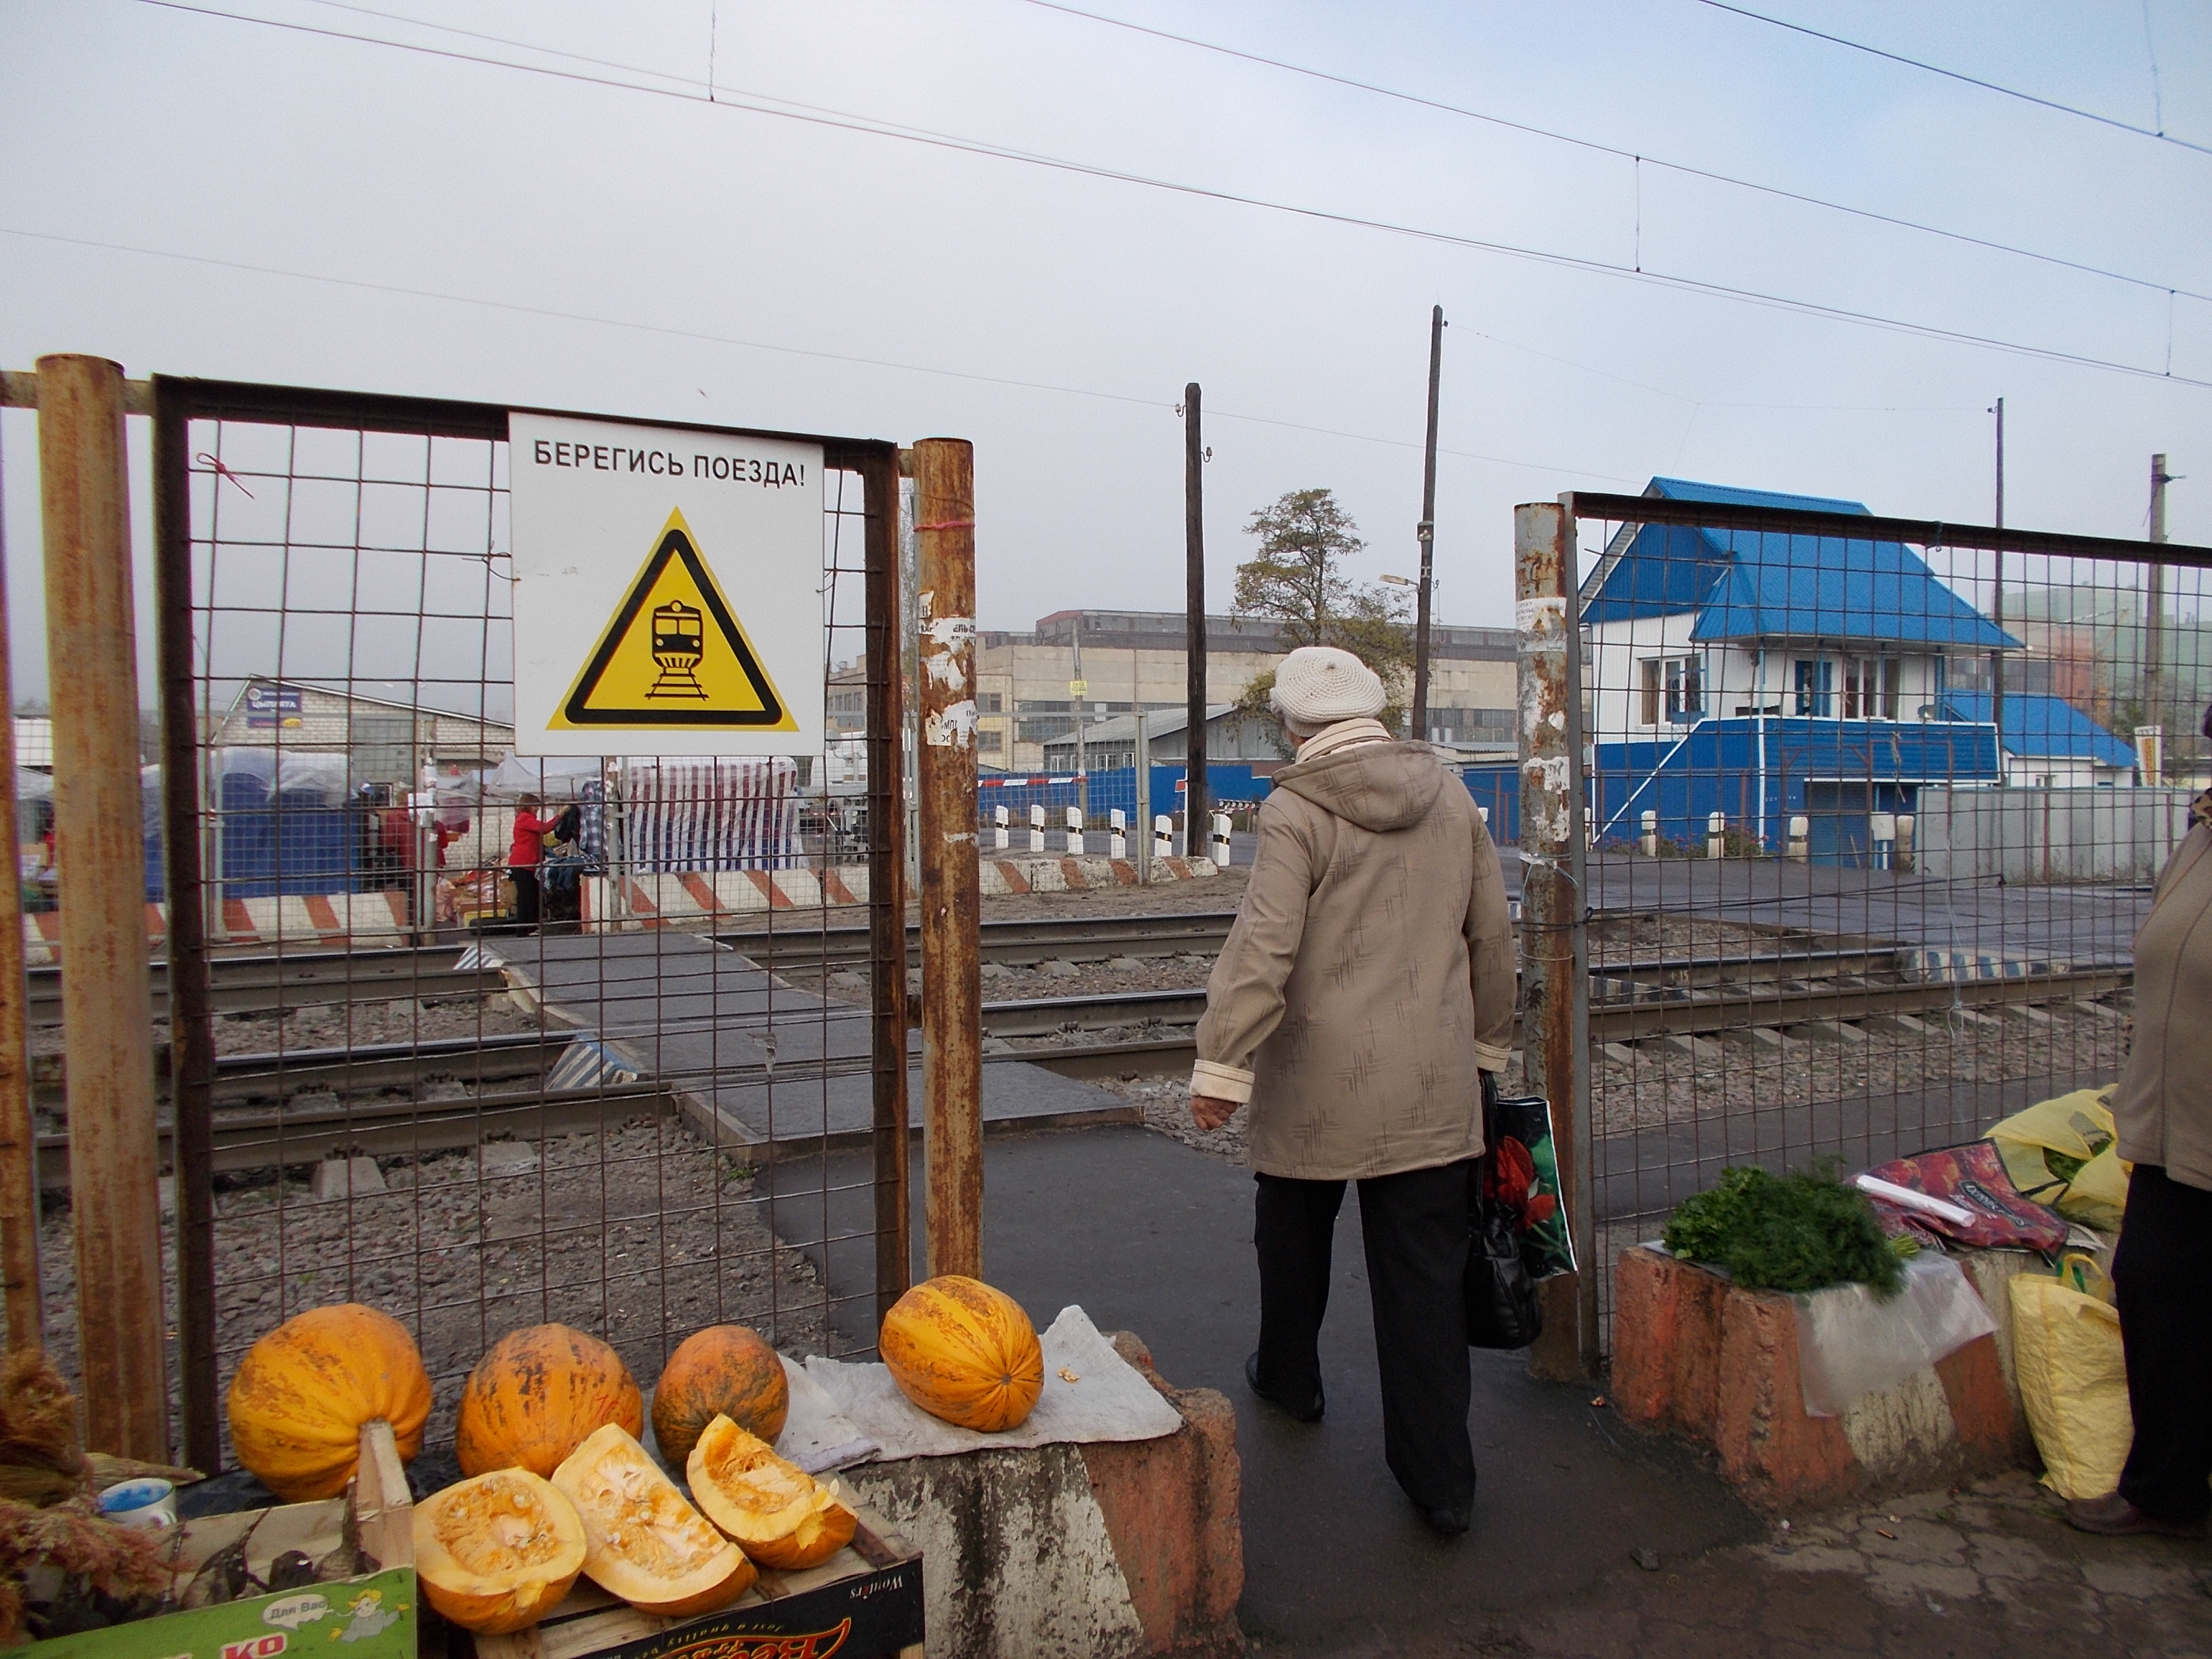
{"type": "Point", "coordinates": [1123, 1548]}
{"type": "Point", "coordinates": [1698, 1357]}
{"type": "Point", "coordinates": [340, 920]}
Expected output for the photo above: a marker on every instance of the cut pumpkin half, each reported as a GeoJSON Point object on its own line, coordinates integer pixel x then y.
{"type": "Point", "coordinates": [643, 1541]}
{"type": "Point", "coordinates": [497, 1553]}
{"type": "Point", "coordinates": [779, 1515]}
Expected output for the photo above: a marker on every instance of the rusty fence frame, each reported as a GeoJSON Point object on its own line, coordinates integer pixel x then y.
{"type": "Point", "coordinates": [173, 404]}
{"type": "Point", "coordinates": [1555, 779]}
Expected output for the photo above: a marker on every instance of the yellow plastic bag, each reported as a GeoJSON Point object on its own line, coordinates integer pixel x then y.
{"type": "Point", "coordinates": [2062, 1152]}
{"type": "Point", "coordinates": [2073, 1381]}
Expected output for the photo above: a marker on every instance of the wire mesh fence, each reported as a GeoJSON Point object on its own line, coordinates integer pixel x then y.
{"type": "Point", "coordinates": [1872, 822]}
{"type": "Point", "coordinates": [484, 1041]}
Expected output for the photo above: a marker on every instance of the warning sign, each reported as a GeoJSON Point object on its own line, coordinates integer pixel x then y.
{"type": "Point", "coordinates": [668, 596]}
{"type": "Point", "coordinates": [674, 652]}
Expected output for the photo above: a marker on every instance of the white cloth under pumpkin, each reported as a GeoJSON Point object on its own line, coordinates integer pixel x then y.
{"type": "Point", "coordinates": [843, 1413]}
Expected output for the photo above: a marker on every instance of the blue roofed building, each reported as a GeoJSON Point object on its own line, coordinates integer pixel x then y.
{"type": "Point", "coordinates": [1768, 675]}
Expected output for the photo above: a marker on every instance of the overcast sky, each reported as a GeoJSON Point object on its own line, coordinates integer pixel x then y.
{"type": "Point", "coordinates": [195, 195]}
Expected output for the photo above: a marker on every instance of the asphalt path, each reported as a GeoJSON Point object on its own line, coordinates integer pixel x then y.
{"type": "Point", "coordinates": [1150, 1235]}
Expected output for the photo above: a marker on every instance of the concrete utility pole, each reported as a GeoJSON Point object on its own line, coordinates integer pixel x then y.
{"type": "Point", "coordinates": [1078, 688]}
{"type": "Point", "coordinates": [1195, 820]}
{"type": "Point", "coordinates": [1427, 531]}
{"type": "Point", "coordinates": [2154, 601]}
{"type": "Point", "coordinates": [951, 899]}
{"type": "Point", "coordinates": [19, 1157]}
{"type": "Point", "coordinates": [1996, 612]}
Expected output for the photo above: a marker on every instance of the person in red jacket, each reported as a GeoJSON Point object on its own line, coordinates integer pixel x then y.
{"type": "Point", "coordinates": [524, 857]}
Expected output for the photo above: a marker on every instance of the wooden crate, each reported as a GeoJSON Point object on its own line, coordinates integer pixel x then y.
{"type": "Point", "coordinates": [372, 1616]}
{"type": "Point", "coordinates": [865, 1602]}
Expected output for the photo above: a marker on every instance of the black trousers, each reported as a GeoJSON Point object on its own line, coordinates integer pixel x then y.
{"type": "Point", "coordinates": [2160, 1274]}
{"type": "Point", "coordinates": [1414, 1225]}
{"type": "Point", "coordinates": [524, 878]}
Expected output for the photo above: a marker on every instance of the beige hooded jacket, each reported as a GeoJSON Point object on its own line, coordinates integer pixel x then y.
{"type": "Point", "coordinates": [2163, 1105]}
{"type": "Point", "coordinates": [1369, 973]}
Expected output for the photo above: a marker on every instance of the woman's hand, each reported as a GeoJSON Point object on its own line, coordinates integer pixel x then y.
{"type": "Point", "coordinates": [1211, 1112]}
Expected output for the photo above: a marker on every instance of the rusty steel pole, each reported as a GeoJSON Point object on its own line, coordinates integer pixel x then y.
{"type": "Point", "coordinates": [1426, 530]}
{"type": "Point", "coordinates": [886, 741]}
{"type": "Point", "coordinates": [951, 902]}
{"type": "Point", "coordinates": [1554, 935]}
{"type": "Point", "coordinates": [99, 850]}
{"type": "Point", "coordinates": [19, 1148]}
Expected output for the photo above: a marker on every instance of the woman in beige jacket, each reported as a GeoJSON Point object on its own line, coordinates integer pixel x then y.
{"type": "Point", "coordinates": [1367, 983]}
{"type": "Point", "coordinates": [2163, 1266]}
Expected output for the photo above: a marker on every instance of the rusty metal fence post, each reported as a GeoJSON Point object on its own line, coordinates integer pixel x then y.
{"type": "Point", "coordinates": [19, 1149]}
{"type": "Point", "coordinates": [951, 900]}
{"type": "Point", "coordinates": [99, 850]}
{"type": "Point", "coordinates": [1554, 932]}
{"type": "Point", "coordinates": [886, 727]}
{"type": "Point", "coordinates": [191, 1020]}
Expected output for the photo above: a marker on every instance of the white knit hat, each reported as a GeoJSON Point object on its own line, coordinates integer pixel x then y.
{"type": "Point", "coordinates": [1319, 685]}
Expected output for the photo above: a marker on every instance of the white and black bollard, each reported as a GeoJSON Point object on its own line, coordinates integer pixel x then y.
{"type": "Point", "coordinates": [1903, 860]}
{"type": "Point", "coordinates": [1001, 837]}
{"type": "Point", "coordinates": [1801, 836]}
{"type": "Point", "coordinates": [1162, 836]}
{"type": "Point", "coordinates": [1117, 834]}
{"type": "Point", "coordinates": [1717, 835]}
{"type": "Point", "coordinates": [1219, 842]}
{"type": "Point", "coordinates": [1075, 832]}
{"type": "Point", "coordinates": [1036, 827]}
{"type": "Point", "coordinates": [1649, 839]}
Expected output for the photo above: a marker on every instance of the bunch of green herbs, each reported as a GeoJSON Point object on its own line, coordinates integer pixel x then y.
{"type": "Point", "coordinates": [1802, 1231]}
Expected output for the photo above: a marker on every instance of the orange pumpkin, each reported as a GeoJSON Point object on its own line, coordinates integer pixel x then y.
{"type": "Point", "coordinates": [964, 1353]}
{"type": "Point", "coordinates": [724, 1370]}
{"type": "Point", "coordinates": [642, 1541]}
{"type": "Point", "coordinates": [535, 1396]}
{"type": "Point", "coordinates": [778, 1514]}
{"type": "Point", "coordinates": [497, 1553]}
{"type": "Point", "coordinates": [304, 1391]}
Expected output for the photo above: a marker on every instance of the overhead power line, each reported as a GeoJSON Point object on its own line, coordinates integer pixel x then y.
{"type": "Point", "coordinates": [668, 331]}
{"type": "Point", "coordinates": [738, 100]}
{"type": "Point", "coordinates": [1634, 157]}
{"type": "Point", "coordinates": [2157, 132]}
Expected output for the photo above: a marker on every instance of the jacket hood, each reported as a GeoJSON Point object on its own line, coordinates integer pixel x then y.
{"type": "Point", "coordinates": [1376, 786]}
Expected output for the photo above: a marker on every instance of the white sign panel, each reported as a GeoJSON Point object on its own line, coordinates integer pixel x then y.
{"type": "Point", "coordinates": [667, 591]}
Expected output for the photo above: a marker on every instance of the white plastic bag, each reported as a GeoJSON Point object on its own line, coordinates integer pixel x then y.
{"type": "Point", "coordinates": [1850, 1343]}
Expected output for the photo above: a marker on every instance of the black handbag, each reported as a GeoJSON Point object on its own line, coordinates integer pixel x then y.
{"type": "Point", "coordinates": [1502, 1309]}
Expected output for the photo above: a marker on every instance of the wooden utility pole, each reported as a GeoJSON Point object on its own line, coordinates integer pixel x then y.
{"type": "Point", "coordinates": [887, 823]}
{"type": "Point", "coordinates": [100, 846]}
{"type": "Point", "coordinates": [1195, 818]}
{"type": "Point", "coordinates": [952, 901]}
{"type": "Point", "coordinates": [1554, 935]}
{"type": "Point", "coordinates": [19, 1151]}
{"type": "Point", "coordinates": [1427, 531]}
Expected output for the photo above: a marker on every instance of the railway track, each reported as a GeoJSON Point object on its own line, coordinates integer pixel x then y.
{"type": "Point", "coordinates": [295, 1107]}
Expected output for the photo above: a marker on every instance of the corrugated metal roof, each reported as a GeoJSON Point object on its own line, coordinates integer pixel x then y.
{"type": "Point", "coordinates": [1748, 585]}
{"type": "Point", "coordinates": [2046, 727]}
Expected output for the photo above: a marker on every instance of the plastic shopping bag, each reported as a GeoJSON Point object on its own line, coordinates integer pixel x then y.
{"type": "Point", "coordinates": [2062, 1152]}
{"type": "Point", "coordinates": [2074, 1383]}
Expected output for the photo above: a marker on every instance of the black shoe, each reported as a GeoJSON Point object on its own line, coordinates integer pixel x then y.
{"type": "Point", "coordinates": [1309, 1412]}
{"type": "Point", "coordinates": [1448, 1523]}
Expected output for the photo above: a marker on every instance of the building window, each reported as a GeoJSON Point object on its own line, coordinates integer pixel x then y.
{"type": "Point", "coordinates": [989, 741]}
{"type": "Point", "coordinates": [1815, 683]}
{"type": "Point", "coordinates": [990, 703]}
{"type": "Point", "coordinates": [1871, 687]}
{"type": "Point", "coordinates": [1675, 686]}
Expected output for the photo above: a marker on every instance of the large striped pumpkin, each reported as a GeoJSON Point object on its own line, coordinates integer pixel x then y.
{"type": "Point", "coordinates": [537, 1395]}
{"type": "Point", "coordinates": [304, 1392]}
{"type": "Point", "coordinates": [724, 1370]}
{"type": "Point", "coordinates": [964, 1353]}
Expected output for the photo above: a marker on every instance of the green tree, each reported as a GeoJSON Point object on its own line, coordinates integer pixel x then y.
{"type": "Point", "coordinates": [1296, 578]}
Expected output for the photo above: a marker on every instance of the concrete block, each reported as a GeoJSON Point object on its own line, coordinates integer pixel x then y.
{"type": "Point", "coordinates": [1700, 1358]}
{"type": "Point", "coordinates": [2026, 1013]}
{"type": "Point", "coordinates": [1835, 1033]}
{"type": "Point", "coordinates": [1620, 1051]}
{"type": "Point", "coordinates": [506, 1158]}
{"type": "Point", "coordinates": [1119, 1547]}
{"type": "Point", "coordinates": [345, 1177]}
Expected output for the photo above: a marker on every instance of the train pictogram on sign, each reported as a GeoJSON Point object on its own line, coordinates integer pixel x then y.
{"type": "Point", "coordinates": [674, 654]}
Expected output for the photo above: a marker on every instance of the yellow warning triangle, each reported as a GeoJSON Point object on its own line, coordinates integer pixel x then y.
{"type": "Point", "coordinates": [674, 655]}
